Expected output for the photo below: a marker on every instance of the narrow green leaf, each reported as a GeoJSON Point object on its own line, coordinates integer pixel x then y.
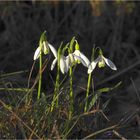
{"type": "Point", "coordinates": [65, 48]}
{"type": "Point", "coordinates": [105, 104]}
{"type": "Point", "coordinates": [71, 44]}
{"type": "Point", "coordinates": [107, 89]}
{"type": "Point", "coordinates": [99, 92]}
{"type": "Point", "coordinates": [93, 101]}
{"type": "Point", "coordinates": [42, 38]}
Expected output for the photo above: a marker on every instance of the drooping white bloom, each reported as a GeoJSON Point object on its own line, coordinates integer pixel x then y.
{"type": "Point", "coordinates": [77, 53]}
{"type": "Point", "coordinates": [45, 50]}
{"type": "Point", "coordinates": [53, 50]}
{"type": "Point", "coordinates": [70, 60]}
{"type": "Point", "coordinates": [101, 61]}
{"type": "Point", "coordinates": [85, 61]}
{"type": "Point", "coordinates": [53, 63]}
{"type": "Point", "coordinates": [91, 67]}
{"type": "Point", "coordinates": [79, 57]}
{"type": "Point", "coordinates": [37, 53]}
{"type": "Point", "coordinates": [108, 62]}
{"type": "Point", "coordinates": [63, 62]}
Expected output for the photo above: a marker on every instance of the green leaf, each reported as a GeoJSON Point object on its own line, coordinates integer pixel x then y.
{"type": "Point", "coordinates": [93, 101]}
{"type": "Point", "coordinates": [65, 48]}
{"type": "Point", "coordinates": [118, 84]}
{"type": "Point", "coordinates": [71, 44]}
{"type": "Point", "coordinates": [99, 92]}
{"type": "Point", "coordinates": [107, 89]}
{"type": "Point", "coordinates": [105, 104]}
{"type": "Point", "coordinates": [42, 38]}
{"type": "Point", "coordinates": [60, 49]}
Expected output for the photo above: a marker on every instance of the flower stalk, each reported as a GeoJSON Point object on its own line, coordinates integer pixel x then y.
{"type": "Point", "coordinates": [89, 83]}
{"type": "Point", "coordinates": [71, 92]}
{"type": "Point", "coordinates": [87, 92]}
{"type": "Point", "coordinates": [40, 75]}
{"type": "Point", "coordinates": [71, 78]}
{"type": "Point", "coordinates": [56, 90]}
{"type": "Point", "coordinates": [41, 47]}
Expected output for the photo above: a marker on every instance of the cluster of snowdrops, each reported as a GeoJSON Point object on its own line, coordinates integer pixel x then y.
{"type": "Point", "coordinates": [75, 56]}
{"type": "Point", "coordinates": [65, 64]}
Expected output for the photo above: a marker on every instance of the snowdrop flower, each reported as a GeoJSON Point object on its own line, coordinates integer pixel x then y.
{"type": "Point", "coordinates": [83, 59]}
{"type": "Point", "coordinates": [101, 61]}
{"type": "Point", "coordinates": [70, 60]}
{"type": "Point", "coordinates": [64, 67]}
{"type": "Point", "coordinates": [63, 63]}
{"type": "Point", "coordinates": [44, 49]}
{"type": "Point", "coordinates": [77, 57]}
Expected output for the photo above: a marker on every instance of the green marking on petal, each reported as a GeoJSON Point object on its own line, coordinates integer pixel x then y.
{"type": "Point", "coordinates": [101, 63]}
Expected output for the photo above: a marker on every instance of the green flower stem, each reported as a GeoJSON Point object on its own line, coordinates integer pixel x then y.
{"type": "Point", "coordinates": [56, 90]}
{"type": "Point", "coordinates": [57, 85]}
{"type": "Point", "coordinates": [40, 74]}
{"type": "Point", "coordinates": [89, 81]}
{"type": "Point", "coordinates": [57, 81]}
{"type": "Point", "coordinates": [71, 93]}
{"type": "Point", "coordinates": [87, 92]}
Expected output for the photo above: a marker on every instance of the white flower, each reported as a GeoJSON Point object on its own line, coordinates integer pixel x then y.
{"type": "Point", "coordinates": [70, 60]}
{"type": "Point", "coordinates": [63, 64]}
{"type": "Point", "coordinates": [45, 50]}
{"type": "Point", "coordinates": [91, 67]}
{"type": "Point", "coordinates": [63, 61]}
{"type": "Point", "coordinates": [37, 53]}
{"type": "Point", "coordinates": [79, 57]}
{"type": "Point", "coordinates": [84, 60]}
{"type": "Point", "coordinates": [101, 61]}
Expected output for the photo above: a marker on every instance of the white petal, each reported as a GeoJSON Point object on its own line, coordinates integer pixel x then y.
{"type": "Point", "coordinates": [77, 52]}
{"type": "Point", "coordinates": [92, 66]}
{"type": "Point", "coordinates": [109, 63]}
{"type": "Point", "coordinates": [81, 60]}
{"type": "Point", "coordinates": [89, 69]}
{"type": "Point", "coordinates": [63, 66]}
{"type": "Point", "coordinates": [53, 63]}
{"type": "Point", "coordinates": [37, 53]}
{"type": "Point", "coordinates": [66, 63]}
{"type": "Point", "coordinates": [53, 50]}
{"type": "Point", "coordinates": [85, 59]}
{"type": "Point", "coordinates": [98, 59]}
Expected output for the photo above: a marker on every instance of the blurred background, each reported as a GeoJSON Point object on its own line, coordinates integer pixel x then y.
{"type": "Point", "coordinates": [112, 25]}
